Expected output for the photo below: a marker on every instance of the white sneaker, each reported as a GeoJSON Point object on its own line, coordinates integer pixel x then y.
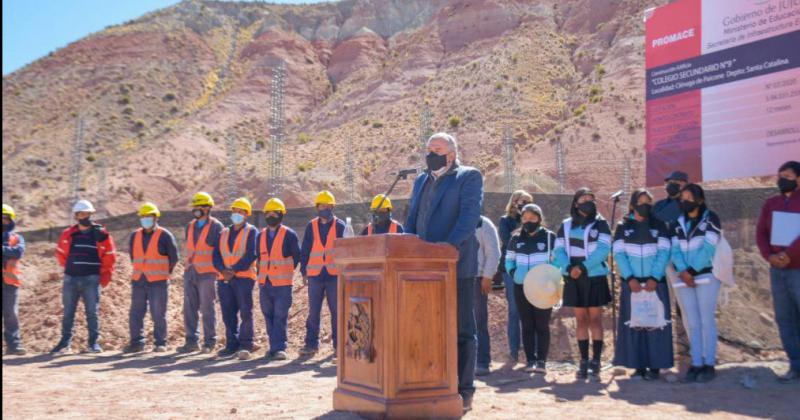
{"type": "Point", "coordinates": [244, 355]}
{"type": "Point", "coordinates": [160, 349]}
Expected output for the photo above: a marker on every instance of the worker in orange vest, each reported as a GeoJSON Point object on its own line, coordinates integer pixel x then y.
{"type": "Point", "coordinates": [278, 255]}
{"type": "Point", "coordinates": [13, 249]}
{"type": "Point", "coordinates": [318, 269]}
{"type": "Point", "coordinates": [382, 221]}
{"type": "Point", "coordinates": [153, 253]}
{"type": "Point", "coordinates": [235, 257]}
{"type": "Point", "coordinates": [200, 276]}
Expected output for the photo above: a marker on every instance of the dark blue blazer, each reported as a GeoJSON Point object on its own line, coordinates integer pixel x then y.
{"type": "Point", "coordinates": [454, 216]}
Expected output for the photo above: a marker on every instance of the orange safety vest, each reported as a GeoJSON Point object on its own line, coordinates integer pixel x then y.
{"type": "Point", "coordinates": [200, 255]}
{"type": "Point", "coordinates": [392, 228]}
{"type": "Point", "coordinates": [272, 263]}
{"type": "Point", "coordinates": [11, 272]}
{"type": "Point", "coordinates": [322, 256]}
{"type": "Point", "coordinates": [153, 265]}
{"type": "Point", "coordinates": [231, 257]}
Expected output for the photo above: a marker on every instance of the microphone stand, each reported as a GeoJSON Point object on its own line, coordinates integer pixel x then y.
{"type": "Point", "coordinates": [400, 175]}
{"type": "Point", "coordinates": [613, 270]}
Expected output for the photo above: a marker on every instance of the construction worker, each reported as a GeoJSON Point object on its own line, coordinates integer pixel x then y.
{"type": "Point", "coordinates": [200, 276]}
{"type": "Point", "coordinates": [318, 269]}
{"type": "Point", "coordinates": [278, 255]}
{"type": "Point", "coordinates": [153, 253]}
{"type": "Point", "coordinates": [235, 257]}
{"type": "Point", "coordinates": [382, 221]}
{"type": "Point", "coordinates": [86, 251]}
{"type": "Point", "coordinates": [13, 249]}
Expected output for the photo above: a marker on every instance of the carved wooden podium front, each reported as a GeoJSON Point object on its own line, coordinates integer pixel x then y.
{"type": "Point", "coordinates": [397, 327]}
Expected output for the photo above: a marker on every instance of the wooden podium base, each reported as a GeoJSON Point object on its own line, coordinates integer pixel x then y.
{"type": "Point", "coordinates": [376, 407]}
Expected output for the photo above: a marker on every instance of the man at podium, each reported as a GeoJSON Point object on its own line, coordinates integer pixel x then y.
{"type": "Point", "coordinates": [445, 207]}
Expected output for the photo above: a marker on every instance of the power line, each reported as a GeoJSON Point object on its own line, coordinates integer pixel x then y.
{"type": "Point", "coordinates": [276, 131]}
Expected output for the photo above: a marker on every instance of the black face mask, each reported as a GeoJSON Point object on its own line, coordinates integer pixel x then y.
{"type": "Point", "coordinates": [197, 213]}
{"type": "Point", "coordinates": [382, 218]}
{"type": "Point", "coordinates": [588, 208]}
{"type": "Point", "coordinates": [643, 210]}
{"type": "Point", "coordinates": [435, 162]}
{"type": "Point", "coordinates": [530, 227]}
{"type": "Point", "coordinates": [673, 189]}
{"type": "Point", "coordinates": [273, 221]}
{"type": "Point", "coordinates": [85, 222]}
{"type": "Point", "coordinates": [689, 206]}
{"type": "Point", "coordinates": [787, 185]}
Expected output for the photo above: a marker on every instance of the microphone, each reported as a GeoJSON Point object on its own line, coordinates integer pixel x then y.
{"type": "Point", "coordinates": [617, 195]}
{"type": "Point", "coordinates": [409, 171]}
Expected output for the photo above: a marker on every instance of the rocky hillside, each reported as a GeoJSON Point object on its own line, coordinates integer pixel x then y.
{"type": "Point", "coordinates": [160, 94]}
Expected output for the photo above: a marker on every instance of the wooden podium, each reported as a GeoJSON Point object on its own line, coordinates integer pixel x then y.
{"type": "Point", "coordinates": [397, 327]}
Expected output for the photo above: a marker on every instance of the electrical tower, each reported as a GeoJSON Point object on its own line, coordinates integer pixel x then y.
{"type": "Point", "coordinates": [626, 177]}
{"type": "Point", "coordinates": [230, 146]}
{"type": "Point", "coordinates": [425, 130]}
{"type": "Point", "coordinates": [349, 178]}
{"type": "Point", "coordinates": [508, 144]}
{"type": "Point", "coordinates": [560, 167]}
{"type": "Point", "coordinates": [276, 130]}
{"type": "Point", "coordinates": [75, 170]}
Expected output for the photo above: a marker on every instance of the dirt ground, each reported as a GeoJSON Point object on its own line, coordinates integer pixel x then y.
{"type": "Point", "coordinates": [172, 387]}
{"type": "Point", "coordinates": [177, 386]}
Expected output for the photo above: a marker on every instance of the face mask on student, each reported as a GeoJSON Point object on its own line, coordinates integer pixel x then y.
{"type": "Point", "coordinates": [530, 227]}
{"type": "Point", "coordinates": [786, 185]}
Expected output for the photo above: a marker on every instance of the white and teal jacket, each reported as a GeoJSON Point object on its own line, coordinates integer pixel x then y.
{"type": "Point", "coordinates": [641, 249]}
{"type": "Point", "coordinates": [526, 251]}
{"type": "Point", "coordinates": [694, 243]}
{"type": "Point", "coordinates": [588, 245]}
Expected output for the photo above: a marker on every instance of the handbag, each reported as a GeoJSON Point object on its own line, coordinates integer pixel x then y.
{"type": "Point", "coordinates": [647, 311]}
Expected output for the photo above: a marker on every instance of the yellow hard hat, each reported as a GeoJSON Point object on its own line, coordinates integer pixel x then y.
{"type": "Point", "coordinates": [275, 204]}
{"type": "Point", "coordinates": [149, 209]}
{"type": "Point", "coordinates": [243, 204]}
{"type": "Point", "coordinates": [9, 211]}
{"type": "Point", "coordinates": [325, 197]}
{"type": "Point", "coordinates": [202, 199]}
{"type": "Point", "coordinates": [387, 204]}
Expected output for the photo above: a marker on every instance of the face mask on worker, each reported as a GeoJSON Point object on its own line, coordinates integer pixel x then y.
{"type": "Point", "coordinates": [673, 189]}
{"type": "Point", "coordinates": [147, 222]}
{"type": "Point", "coordinates": [786, 185]}
{"type": "Point", "coordinates": [198, 213]}
{"type": "Point", "coordinates": [87, 221]}
{"type": "Point", "coordinates": [435, 161]}
{"type": "Point", "coordinates": [8, 227]}
{"type": "Point", "coordinates": [325, 213]}
{"type": "Point", "coordinates": [237, 218]}
{"type": "Point", "coordinates": [643, 210]}
{"type": "Point", "coordinates": [588, 208]}
{"type": "Point", "coordinates": [530, 227]}
{"type": "Point", "coordinates": [689, 206]}
{"type": "Point", "coordinates": [273, 221]}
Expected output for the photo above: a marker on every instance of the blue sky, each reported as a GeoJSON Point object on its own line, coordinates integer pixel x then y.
{"type": "Point", "coordinates": [34, 28]}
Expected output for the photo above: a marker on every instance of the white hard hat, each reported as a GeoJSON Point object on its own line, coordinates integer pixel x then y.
{"type": "Point", "coordinates": [83, 205]}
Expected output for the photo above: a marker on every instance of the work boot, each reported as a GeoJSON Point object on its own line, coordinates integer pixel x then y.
{"type": "Point", "coordinates": [308, 351]}
{"type": "Point", "coordinates": [61, 348]}
{"type": "Point", "coordinates": [244, 355]}
{"type": "Point", "coordinates": [280, 355]}
{"type": "Point", "coordinates": [133, 348]}
{"type": "Point", "coordinates": [707, 374]}
{"type": "Point", "coordinates": [188, 348]}
{"type": "Point", "coordinates": [691, 374]}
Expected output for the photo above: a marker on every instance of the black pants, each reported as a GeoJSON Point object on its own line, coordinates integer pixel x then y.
{"type": "Point", "coordinates": [535, 327]}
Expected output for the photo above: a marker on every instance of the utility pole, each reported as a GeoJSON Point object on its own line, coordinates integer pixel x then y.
{"type": "Point", "coordinates": [626, 177]}
{"type": "Point", "coordinates": [508, 144]}
{"type": "Point", "coordinates": [276, 129]}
